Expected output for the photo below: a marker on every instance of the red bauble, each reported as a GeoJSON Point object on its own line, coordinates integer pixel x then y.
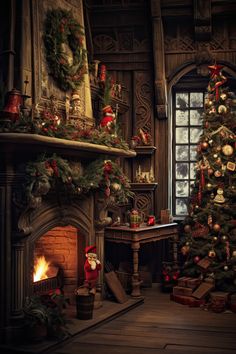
{"type": "Point", "coordinates": [204, 145]}
{"type": "Point", "coordinates": [167, 278]}
{"type": "Point", "coordinates": [196, 259]}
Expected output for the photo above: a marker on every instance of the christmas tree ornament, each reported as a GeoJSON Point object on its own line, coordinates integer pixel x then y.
{"type": "Point", "coordinates": [210, 141]}
{"type": "Point", "coordinates": [234, 253]}
{"type": "Point", "coordinates": [222, 109]}
{"type": "Point", "coordinates": [196, 259]}
{"type": "Point", "coordinates": [185, 250]}
{"type": "Point", "coordinates": [216, 227]}
{"type": "Point", "coordinates": [226, 268]}
{"type": "Point", "coordinates": [215, 156]}
{"type": "Point", "coordinates": [210, 171]}
{"type": "Point", "coordinates": [209, 186]}
{"type": "Point", "coordinates": [215, 238]}
{"type": "Point", "coordinates": [224, 238]}
{"type": "Point", "coordinates": [217, 173]}
{"type": "Point", "coordinates": [223, 96]}
{"type": "Point", "coordinates": [209, 220]}
{"type": "Point", "coordinates": [231, 166]}
{"type": "Point", "coordinates": [211, 254]}
{"type": "Point", "coordinates": [219, 198]}
{"type": "Point", "coordinates": [227, 150]}
{"type": "Point", "coordinates": [204, 145]}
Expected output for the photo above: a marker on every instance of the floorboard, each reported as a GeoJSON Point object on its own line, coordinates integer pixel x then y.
{"type": "Point", "coordinates": [159, 326]}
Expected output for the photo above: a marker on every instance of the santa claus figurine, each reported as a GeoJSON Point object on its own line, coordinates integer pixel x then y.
{"type": "Point", "coordinates": [108, 119]}
{"type": "Point", "coordinates": [92, 266]}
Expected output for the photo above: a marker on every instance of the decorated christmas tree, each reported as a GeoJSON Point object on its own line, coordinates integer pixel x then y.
{"type": "Point", "coordinates": [208, 238]}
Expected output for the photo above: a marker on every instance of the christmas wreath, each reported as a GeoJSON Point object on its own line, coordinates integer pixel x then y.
{"type": "Point", "coordinates": [65, 54]}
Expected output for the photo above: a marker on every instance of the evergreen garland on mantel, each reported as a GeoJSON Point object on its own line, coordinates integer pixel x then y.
{"type": "Point", "coordinates": [103, 175]}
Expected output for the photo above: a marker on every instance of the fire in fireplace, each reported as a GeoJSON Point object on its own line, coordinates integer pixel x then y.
{"type": "Point", "coordinates": [59, 259]}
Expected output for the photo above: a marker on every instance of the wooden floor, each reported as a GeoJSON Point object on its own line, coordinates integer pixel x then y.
{"type": "Point", "coordinates": [159, 326]}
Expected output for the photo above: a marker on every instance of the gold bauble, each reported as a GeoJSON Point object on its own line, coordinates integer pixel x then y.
{"type": "Point", "coordinates": [227, 150]}
{"type": "Point", "coordinates": [209, 185]}
{"type": "Point", "coordinates": [211, 254]}
{"type": "Point", "coordinates": [222, 109]}
{"type": "Point", "coordinates": [224, 238]}
{"type": "Point", "coordinates": [116, 186]}
{"type": "Point", "coordinates": [215, 238]}
{"type": "Point", "coordinates": [223, 96]}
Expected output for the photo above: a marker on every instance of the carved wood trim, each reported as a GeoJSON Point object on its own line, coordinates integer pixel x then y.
{"type": "Point", "coordinates": [159, 60]}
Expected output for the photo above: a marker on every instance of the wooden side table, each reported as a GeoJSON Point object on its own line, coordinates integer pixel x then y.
{"type": "Point", "coordinates": [137, 236]}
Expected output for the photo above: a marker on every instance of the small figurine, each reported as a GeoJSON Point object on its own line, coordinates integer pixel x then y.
{"type": "Point", "coordinates": [92, 267]}
{"type": "Point", "coordinates": [108, 120]}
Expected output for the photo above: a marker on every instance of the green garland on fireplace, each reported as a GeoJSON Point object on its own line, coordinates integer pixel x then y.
{"type": "Point", "coordinates": [55, 172]}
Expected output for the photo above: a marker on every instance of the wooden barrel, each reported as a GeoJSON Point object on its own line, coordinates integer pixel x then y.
{"type": "Point", "coordinates": [84, 306]}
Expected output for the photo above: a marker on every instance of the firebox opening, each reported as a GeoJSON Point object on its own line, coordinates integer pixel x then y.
{"type": "Point", "coordinates": [58, 257]}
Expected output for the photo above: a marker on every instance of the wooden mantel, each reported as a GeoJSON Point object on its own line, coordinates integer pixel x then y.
{"type": "Point", "coordinates": [21, 141]}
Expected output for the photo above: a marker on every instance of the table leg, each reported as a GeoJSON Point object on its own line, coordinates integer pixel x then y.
{"type": "Point", "coordinates": [135, 277]}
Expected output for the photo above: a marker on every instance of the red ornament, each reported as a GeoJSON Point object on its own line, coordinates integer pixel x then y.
{"type": "Point", "coordinates": [14, 101]}
{"type": "Point", "coordinates": [215, 70]}
{"type": "Point", "coordinates": [103, 71]}
{"type": "Point", "coordinates": [167, 278]}
{"type": "Point", "coordinates": [151, 220]}
{"type": "Point", "coordinates": [196, 259]}
{"type": "Point", "coordinates": [204, 145]}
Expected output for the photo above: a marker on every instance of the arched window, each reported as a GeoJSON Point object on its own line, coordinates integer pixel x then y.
{"type": "Point", "coordinates": [187, 107]}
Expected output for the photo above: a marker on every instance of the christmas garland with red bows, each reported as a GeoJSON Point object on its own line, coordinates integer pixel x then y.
{"type": "Point", "coordinates": [63, 32]}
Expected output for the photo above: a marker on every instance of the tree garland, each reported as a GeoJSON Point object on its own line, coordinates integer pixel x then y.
{"type": "Point", "coordinates": [65, 53]}
{"type": "Point", "coordinates": [48, 172]}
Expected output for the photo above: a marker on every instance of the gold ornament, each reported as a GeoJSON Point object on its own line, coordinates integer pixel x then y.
{"type": "Point", "coordinates": [224, 238]}
{"type": "Point", "coordinates": [223, 96]}
{"type": "Point", "coordinates": [222, 109]}
{"type": "Point", "coordinates": [231, 166]}
{"type": "Point", "coordinates": [234, 254]}
{"type": "Point", "coordinates": [116, 186]}
{"type": "Point", "coordinates": [215, 238]}
{"type": "Point", "coordinates": [217, 173]}
{"type": "Point", "coordinates": [226, 268]}
{"type": "Point", "coordinates": [215, 156]}
{"type": "Point", "coordinates": [219, 198]}
{"type": "Point", "coordinates": [211, 254]}
{"type": "Point", "coordinates": [209, 185]}
{"type": "Point", "coordinates": [227, 150]}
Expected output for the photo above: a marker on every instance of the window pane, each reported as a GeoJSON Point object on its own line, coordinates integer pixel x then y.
{"type": "Point", "coordinates": [182, 152]}
{"type": "Point", "coordinates": [195, 135]}
{"type": "Point", "coordinates": [196, 99]}
{"type": "Point", "coordinates": [181, 189]}
{"type": "Point", "coordinates": [192, 170]}
{"type": "Point", "coordinates": [181, 117]}
{"type": "Point", "coordinates": [182, 170]}
{"type": "Point", "coordinates": [193, 152]}
{"type": "Point", "coordinates": [195, 117]}
{"type": "Point", "coordinates": [181, 206]}
{"type": "Point", "coordinates": [181, 100]}
{"type": "Point", "coordinates": [181, 135]}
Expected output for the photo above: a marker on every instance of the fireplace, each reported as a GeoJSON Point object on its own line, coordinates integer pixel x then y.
{"type": "Point", "coordinates": [62, 249]}
{"type": "Point", "coordinates": [58, 228]}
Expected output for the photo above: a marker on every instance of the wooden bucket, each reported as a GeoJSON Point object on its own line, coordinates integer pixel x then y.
{"type": "Point", "coordinates": [84, 306]}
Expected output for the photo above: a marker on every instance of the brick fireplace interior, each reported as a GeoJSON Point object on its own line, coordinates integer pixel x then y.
{"type": "Point", "coordinates": [63, 249]}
